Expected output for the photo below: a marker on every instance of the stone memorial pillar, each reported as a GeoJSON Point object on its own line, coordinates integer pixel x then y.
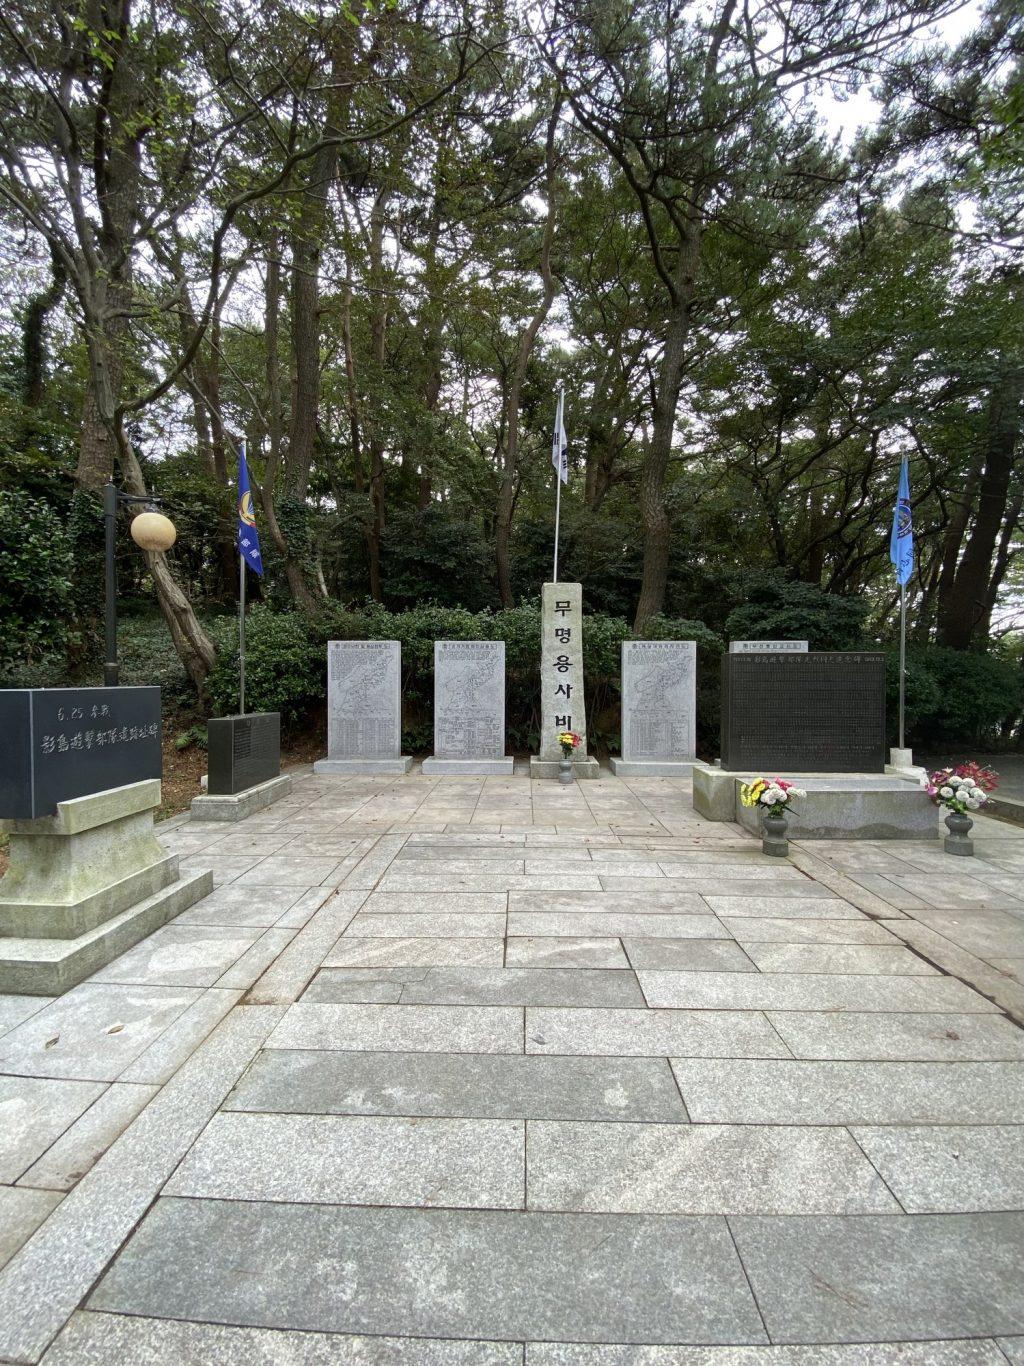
{"type": "Point", "coordinates": [561, 681]}
{"type": "Point", "coordinates": [364, 708]}
{"type": "Point", "coordinates": [659, 709]}
{"type": "Point", "coordinates": [469, 708]}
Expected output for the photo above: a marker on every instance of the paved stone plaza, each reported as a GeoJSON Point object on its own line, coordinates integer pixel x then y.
{"type": "Point", "coordinates": [485, 1070]}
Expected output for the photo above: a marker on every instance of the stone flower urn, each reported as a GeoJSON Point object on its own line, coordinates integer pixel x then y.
{"type": "Point", "coordinates": [959, 841]}
{"type": "Point", "coordinates": [773, 835]}
{"type": "Point", "coordinates": [565, 769]}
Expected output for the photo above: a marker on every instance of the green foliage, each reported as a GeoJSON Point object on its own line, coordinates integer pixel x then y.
{"type": "Point", "coordinates": [284, 669]}
{"type": "Point", "coordinates": [957, 697]}
{"type": "Point", "coordinates": [778, 609]}
{"type": "Point", "coordinates": [35, 584]}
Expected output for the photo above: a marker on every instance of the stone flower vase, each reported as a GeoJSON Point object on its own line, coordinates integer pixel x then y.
{"type": "Point", "coordinates": [565, 769]}
{"type": "Point", "coordinates": [959, 841]}
{"type": "Point", "coordinates": [773, 835]}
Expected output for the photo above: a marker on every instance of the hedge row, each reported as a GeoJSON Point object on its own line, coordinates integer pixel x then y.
{"type": "Point", "coordinates": [953, 697]}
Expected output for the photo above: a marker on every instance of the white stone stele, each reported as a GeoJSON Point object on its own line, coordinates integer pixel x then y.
{"type": "Point", "coordinates": [763, 647]}
{"type": "Point", "coordinates": [84, 885]}
{"type": "Point", "coordinates": [364, 708]}
{"type": "Point", "coordinates": [469, 709]}
{"type": "Point", "coordinates": [562, 703]}
{"type": "Point", "coordinates": [237, 805]}
{"type": "Point", "coordinates": [659, 709]}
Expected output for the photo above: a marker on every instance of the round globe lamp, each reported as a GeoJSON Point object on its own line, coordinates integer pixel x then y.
{"type": "Point", "coordinates": [153, 531]}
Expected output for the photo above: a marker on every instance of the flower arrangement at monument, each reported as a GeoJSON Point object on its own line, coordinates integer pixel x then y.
{"type": "Point", "coordinates": [962, 789]}
{"type": "Point", "coordinates": [569, 741]}
{"type": "Point", "coordinates": [772, 795]}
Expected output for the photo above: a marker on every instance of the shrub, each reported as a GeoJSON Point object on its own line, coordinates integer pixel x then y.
{"type": "Point", "coordinates": [283, 667]}
{"type": "Point", "coordinates": [778, 609]}
{"type": "Point", "coordinates": [974, 699]}
{"type": "Point", "coordinates": [35, 591]}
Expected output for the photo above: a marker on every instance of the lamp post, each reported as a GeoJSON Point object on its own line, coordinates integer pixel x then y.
{"type": "Point", "coordinates": [150, 531]}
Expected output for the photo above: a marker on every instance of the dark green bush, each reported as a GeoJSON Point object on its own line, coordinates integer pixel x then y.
{"type": "Point", "coordinates": [974, 699]}
{"type": "Point", "coordinates": [35, 591]}
{"type": "Point", "coordinates": [778, 609]}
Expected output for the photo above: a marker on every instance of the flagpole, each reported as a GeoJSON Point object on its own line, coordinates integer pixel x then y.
{"type": "Point", "coordinates": [558, 475]}
{"type": "Point", "coordinates": [241, 624]}
{"type": "Point", "coordinates": [903, 652]}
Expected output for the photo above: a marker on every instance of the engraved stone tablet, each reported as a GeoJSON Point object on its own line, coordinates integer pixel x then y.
{"type": "Point", "coordinates": [659, 701]}
{"type": "Point", "coordinates": [61, 743]}
{"type": "Point", "coordinates": [364, 708]}
{"type": "Point", "coordinates": [763, 647]}
{"type": "Point", "coordinates": [469, 708]}
{"type": "Point", "coordinates": [562, 704]}
{"type": "Point", "coordinates": [243, 751]}
{"type": "Point", "coordinates": [803, 713]}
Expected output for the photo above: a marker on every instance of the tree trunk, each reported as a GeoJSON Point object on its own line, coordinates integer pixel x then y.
{"type": "Point", "coordinates": [965, 607]}
{"type": "Point", "coordinates": [33, 332]}
{"type": "Point", "coordinates": [655, 465]}
{"type": "Point", "coordinates": [378, 350]}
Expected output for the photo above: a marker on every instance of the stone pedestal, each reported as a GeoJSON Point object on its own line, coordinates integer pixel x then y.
{"type": "Point", "coordinates": [469, 709]}
{"type": "Point", "coordinates": [235, 806]}
{"type": "Point", "coordinates": [83, 886]}
{"type": "Point", "coordinates": [659, 709]}
{"type": "Point", "coordinates": [714, 792]}
{"type": "Point", "coordinates": [562, 703]}
{"type": "Point", "coordinates": [364, 708]}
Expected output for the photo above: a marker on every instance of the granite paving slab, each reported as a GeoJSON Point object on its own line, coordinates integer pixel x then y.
{"type": "Point", "coordinates": [245, 906]}
{"type": "Point", "coordinates": [605, 923]}
{"type": "Point", "coordinates": [288, 870]}
{"type": "Point", "coordinates": [822, 1278]}
{"type": "Point", "coordinates": [653, 1033]}
{"type": "Point", "coordinates": [798, 1092]}
{"type": "Point", "coordinates": [653, 902]}
{"type": "Point", "coordinates": [700, 1169]}
{"type": "Point", "coordinates": [286, 978]}
{"type": "Point", "coordinates": [899, 1037]}
{"type": "Point", "coordinates": [256, 959]}
{"type": "Point", "coordinates": [478, 986]}
{"type": "Point", "coordinates": [178, 1042]}
{"type": "Point", "coordinates": [401, 881]}
{"type": "Point", "coordinates": [356, 1160]}
{"type": "Point", "coordinates": [692, 955]}
{"type": "Point", "coordinates": [979, 1352]}
{"type": "Point", "coordinates": [787, 907]}
{"type": "Point", "coordinates": [15, 1009]}
{"type": "Point", "coordinates": [949, 1169]}
{"type": "Point", "coordinates": [433, 903]}
{"type": "Point", "coordinates": [799, 930]}
{"type": "Point", "coordinates": [617, 1277]}
{"type": "Point", "coordinates": [795, 991]}
{"type": "Point", "coordinates": [86, 1140]}
{"type": "Point", "coordinates": [870, 959]}
{"type": "Point", "coordinates": [414, 1029]}
{"type": "Point", "coordinates": [49, 1277]}
{"type": "Point", "coordinates": [353, 952]}
{"type": "Point", "coordinates": [581, 952]}
{"type": "Point", "coordinates": [93, 1032]}
{"type": "Point", "coordinates": [21, 1212]}
{"type": "Point", "coordinates": [499, 1086]}
{"type": "Point", "coordinates": [181, 955]}
{"type": "Point", "coordinates": [96, 1339]}
{"type": "Point", "coordinates": [432, 925]}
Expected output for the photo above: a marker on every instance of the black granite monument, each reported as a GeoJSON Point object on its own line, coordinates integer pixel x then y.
{"type": "Point", "coordinates": [243, 752]}
{"type": "Point", "coordinates": [803, 713]}
{"type": "Point", "coordinates": [59, 743]}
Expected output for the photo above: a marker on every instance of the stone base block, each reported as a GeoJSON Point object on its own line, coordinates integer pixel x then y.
{"type": "Point", "coordinates": [235, 807]}
{"type": "Point", "coordinates": [714, 795]}
{"type": "Point", "coordinates": [47, 967]}
{"type": "Point", "coordinates": [851, 808]}
{"type": "Point", "coordinates": [454, 768]}
{"type": "Point", "coordinates": [344, 767]}
{"type": "Point", "coordinates": [548, 768]}
{"type": "Point", "coordinates": [68, 919]}
{"type": "Point", "coordinates": [651, 768]}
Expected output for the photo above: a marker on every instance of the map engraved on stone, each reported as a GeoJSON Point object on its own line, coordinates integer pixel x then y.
{"type": "Point", "coordinates": [795, 713]}
{"type": "Point", "coordinates": [659, 694]}
{"type": "Point", "coordinates": [469, 699]}
{"type": "Point", "coordinates": [364, 699]}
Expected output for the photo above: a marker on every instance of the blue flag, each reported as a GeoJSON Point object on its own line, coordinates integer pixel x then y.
{"type": "Point", "coordinates": [901, 542]}
{"type": "Point", "coordinates": [248, 539]}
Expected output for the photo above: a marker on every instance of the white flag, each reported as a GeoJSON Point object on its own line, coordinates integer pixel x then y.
{"type": "Point", "coordinates": [560, 444]}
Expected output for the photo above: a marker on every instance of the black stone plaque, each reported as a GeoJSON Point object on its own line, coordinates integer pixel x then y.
{"type": "Point", "coordinates": [804, 713]}
{"type": "Point", "coordinates": [243, 751]}
{"type": "Point", "coordinates": [59, 743]}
